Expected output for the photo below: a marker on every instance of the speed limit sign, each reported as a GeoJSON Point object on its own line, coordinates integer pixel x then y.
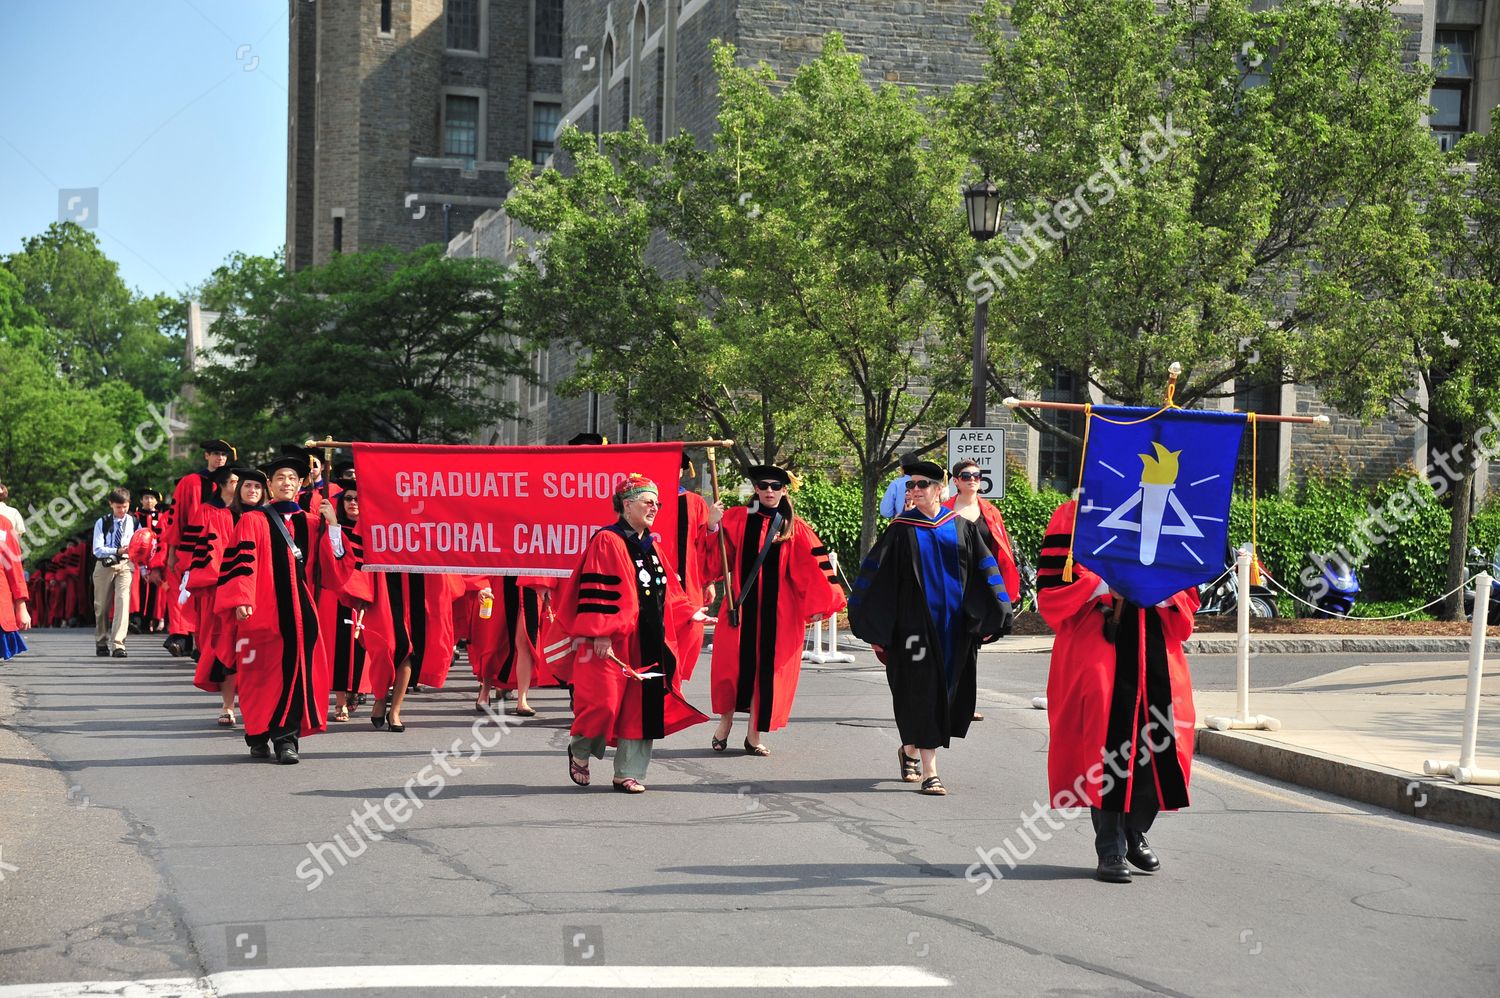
{"type": "Point", "coordinates": [985, 446]}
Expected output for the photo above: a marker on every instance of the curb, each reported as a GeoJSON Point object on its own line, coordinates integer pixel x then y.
{"type": "Point", "coordinates": [1420, 797]}
{"type": "Point", "coordinates": [1376, 644]}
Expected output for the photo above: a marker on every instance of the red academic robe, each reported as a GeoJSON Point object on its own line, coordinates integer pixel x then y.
{"type": "Point", "coordinates": [687, 558]}
{"type": "Point", "coordinates": [214, 533]}
{"type": "Point", "coordinates": [341, 584]}
{"type": "Point", "coordinates": [795, 584]}
{"type": "Point", "coordinates": [520, 617]}
{"type": "Point", "coordinates": [12, 580]}
{"type": "Point", "coordinates": [281, 663]}
{"type": "Point", "coordinates": [145, 596]}
{"type": "Point", "coordinates": [1000, 546]}
{"type": "Point", "coordinates": [1101, 695]}
{"type": "Point", "coordinates": [624, 592]}
{"type": "Point", "coordinates": [180, 535]}
{"type": "Point", "coordinates": [411, 615]}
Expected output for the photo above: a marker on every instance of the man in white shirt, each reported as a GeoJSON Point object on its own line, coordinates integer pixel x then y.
{"type": "Point", "coordinates": [9, 512]}
{"type": "Point", "coordinates": [112, 575]}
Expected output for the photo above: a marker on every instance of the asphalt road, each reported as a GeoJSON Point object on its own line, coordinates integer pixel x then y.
{"type": "Point", "coordinates": [139, 842]}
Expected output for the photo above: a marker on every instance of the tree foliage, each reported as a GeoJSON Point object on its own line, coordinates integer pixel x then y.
{"type": "Point", "coordinates": [1227, 187]}
{"type": "Point", "coordinates": [378, 345]}
{"type": "Point", "coordinates": [796, 284]}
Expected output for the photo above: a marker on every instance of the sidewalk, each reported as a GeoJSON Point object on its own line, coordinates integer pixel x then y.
{"type": "Point", "coordinates": [1364, 733]}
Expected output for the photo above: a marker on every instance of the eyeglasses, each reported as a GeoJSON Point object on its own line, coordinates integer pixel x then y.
{"type": "Point", "coordinates": [770, 486]}
{"type": "Point", "coordinates": [970, 476]}
{"type": "Point", "coordinates": [648, 502]}
{"type": "Point", "coordinates": [918, 483]}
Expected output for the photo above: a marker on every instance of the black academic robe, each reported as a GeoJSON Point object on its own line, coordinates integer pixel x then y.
{"type": "Point", "coordinates": [933, 696]}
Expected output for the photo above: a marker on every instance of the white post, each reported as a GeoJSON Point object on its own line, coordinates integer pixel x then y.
{"type": "Point", "coordinates": [833, 654]}
{"type": "Point", "coordinates": [1464, 770]}
{"type": "Point", "coordinates": [1242, 717]}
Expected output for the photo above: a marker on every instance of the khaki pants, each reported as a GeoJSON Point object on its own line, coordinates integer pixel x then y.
{"type": "Point", "coordinates": [111, 586]}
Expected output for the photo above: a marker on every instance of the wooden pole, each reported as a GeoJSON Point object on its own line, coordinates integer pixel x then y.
{"type": "Point", "coordinates": [1320, 420]}
{"type": "Point", "coordinates": [686, 443]}
{"type": "Point", "coordinates": [734, 611]}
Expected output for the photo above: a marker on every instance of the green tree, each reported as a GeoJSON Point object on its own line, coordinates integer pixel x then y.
{"type": "Point", "coordinates": [1203, 182]}
{"type": "Point", "coordinates": [96, 329]}
{"type": "Point", "coordinates": [379, 345]}
{"type": "Point", "coordinates": [1456, 346]}
{"type": "Point", "coordinates": [796, 284]}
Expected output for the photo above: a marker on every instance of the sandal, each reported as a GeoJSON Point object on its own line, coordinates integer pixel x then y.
{"type": "Point", "coordinates": [578, 773]}
{"type": "Point", "coordinates": [757, 750]}
{"type": "Point", "coordinates": [226, 719]}
{"type": "Point", "coordinates": [629, 786]}
{"type": "Point", "coordinates": [342, 714]}
{"type": "Point", "coordinates": [911, 769]}
{"type": "Point", "coordinates": [718, 744]}
{"type": "Point", "coordinates": [933, 787]}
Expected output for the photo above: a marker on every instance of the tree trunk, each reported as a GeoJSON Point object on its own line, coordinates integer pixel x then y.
{"type": "Point", "coordinates": [869, 501]}
{"type": "Point", "coordinates": [1458, 543]}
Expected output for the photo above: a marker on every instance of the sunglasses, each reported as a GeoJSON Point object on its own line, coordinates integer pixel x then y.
{"type": "Point", "coordinates": [770, 486]}
{"type": "Point", "coordinates": [918, 483]}
{"type": "Point", "coordinates": [970, 476]}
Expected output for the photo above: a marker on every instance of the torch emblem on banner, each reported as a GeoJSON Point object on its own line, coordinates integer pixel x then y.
{"type": "Point", "coordinates": [1156, 497]}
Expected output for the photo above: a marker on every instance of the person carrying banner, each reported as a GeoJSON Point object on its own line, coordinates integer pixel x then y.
{"type": "Point", "coordinates": [785, 582]}
{"type": "Point", "coordinates": [624, 608]}
{"type": "Point", "coordinates": [408, 634]}
{"type": "Point", "coordinates": [344, 595]}
{"type": "Point", "coordinates": [1119, 702]}
{"type": "Point", "coordinates": [689, 557]}
{"type": "Point", "coordinates": [505, 649]}
{"type": "Point", "coordinates": [928, 595]}
{"type": "Point", "coordinates": [281, 665]}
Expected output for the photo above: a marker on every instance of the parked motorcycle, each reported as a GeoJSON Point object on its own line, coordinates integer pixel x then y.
{"type": "Point", "coordinates": [1339, 584]}
{"type": "Point", "coordinates": [1221, 596]}
{"type": "Point", "coordinates": [1472, 568]}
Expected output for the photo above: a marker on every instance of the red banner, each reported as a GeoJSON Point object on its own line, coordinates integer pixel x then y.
{"type": "Point", "coordinates": [498, 510]}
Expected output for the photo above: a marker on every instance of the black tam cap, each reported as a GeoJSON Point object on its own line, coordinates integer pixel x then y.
{"type": "Point", "coordinates": [908, 459]}
{"type": "Point", "coordinates": [343, 473]}
{"type": "Point", "coordinates": [588, 440]}
{"type": "Point", "coordinates": [217, 447]}
{"type": "Point", "coordinates": [768, 473]}
{"type": "Point", "coordinates": [148, 492]}
{"type": "Point", "coordinates": [298, 462]}
{"type": "Point", "coordinates": [220, 475]}
{"type": "Point", "coordinates": [253, 475]}
{"type": "Point", "coordinates": [926, 469]}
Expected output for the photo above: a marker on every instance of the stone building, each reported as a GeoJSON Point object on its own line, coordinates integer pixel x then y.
{"type": "Point", "coordinates": [404, 115]}
{"type": "Point", "coordinates": [649, 59]}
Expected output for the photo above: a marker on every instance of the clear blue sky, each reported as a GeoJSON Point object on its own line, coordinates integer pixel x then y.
{"type": "Point", "coordinates": [174, 109]}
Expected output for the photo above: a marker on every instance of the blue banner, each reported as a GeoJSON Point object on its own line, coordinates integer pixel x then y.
{"type": "Point", "coordinates": [1153, 516]}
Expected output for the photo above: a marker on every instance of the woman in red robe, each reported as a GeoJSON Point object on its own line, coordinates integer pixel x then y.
{"type": "Point", "coordinates": [408, 633]}
{"type": "Point", "coordinates": [506, 649]}
{"type": "Point", "coordinates": [145, 595]}
{"type": "Point", "coordinates": [221, 677]}
{"type": "Point", "coordinates": [344, 593]}
{"type": "Point", "coordinates": [282, 666]}
{"type": "Point", "coordinates": [624, 609]}
{"type": "Point", "coordinates": [14, 615]}
{"type": "Point", "coordinates": [1119, 703]}
{"type": "Point", "coordinates": [785, 582]}
{"type": "Point", "coordinates": [213, 532]}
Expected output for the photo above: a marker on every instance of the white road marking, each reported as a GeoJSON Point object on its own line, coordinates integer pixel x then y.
{"type": "Point", "coordinates": [304, 979]}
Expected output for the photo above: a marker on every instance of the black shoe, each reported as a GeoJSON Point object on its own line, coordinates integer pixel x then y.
{"type": "Point", "coordinates": [102, 651]}
{"type": "Point", "coordinates": [397, 728]}
{"type": "Point", "coordinates": [1112, 870]}
{"type": "Point", "coordinates": [377, 722]}
{"type": "Point", "coordinates": [175, 644]}
{"type": "Point", "coordinates": [286, 755]}
{"type": "Point", "coordinates": [119, 653]}
{"type": "Point", "coordinates": [260, 751]}
{"type": "Point", "coordinates": [1142, 858]}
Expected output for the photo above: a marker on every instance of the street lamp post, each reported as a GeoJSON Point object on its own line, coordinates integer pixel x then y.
{"type": "Point", "coordinates": [983, 203]}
